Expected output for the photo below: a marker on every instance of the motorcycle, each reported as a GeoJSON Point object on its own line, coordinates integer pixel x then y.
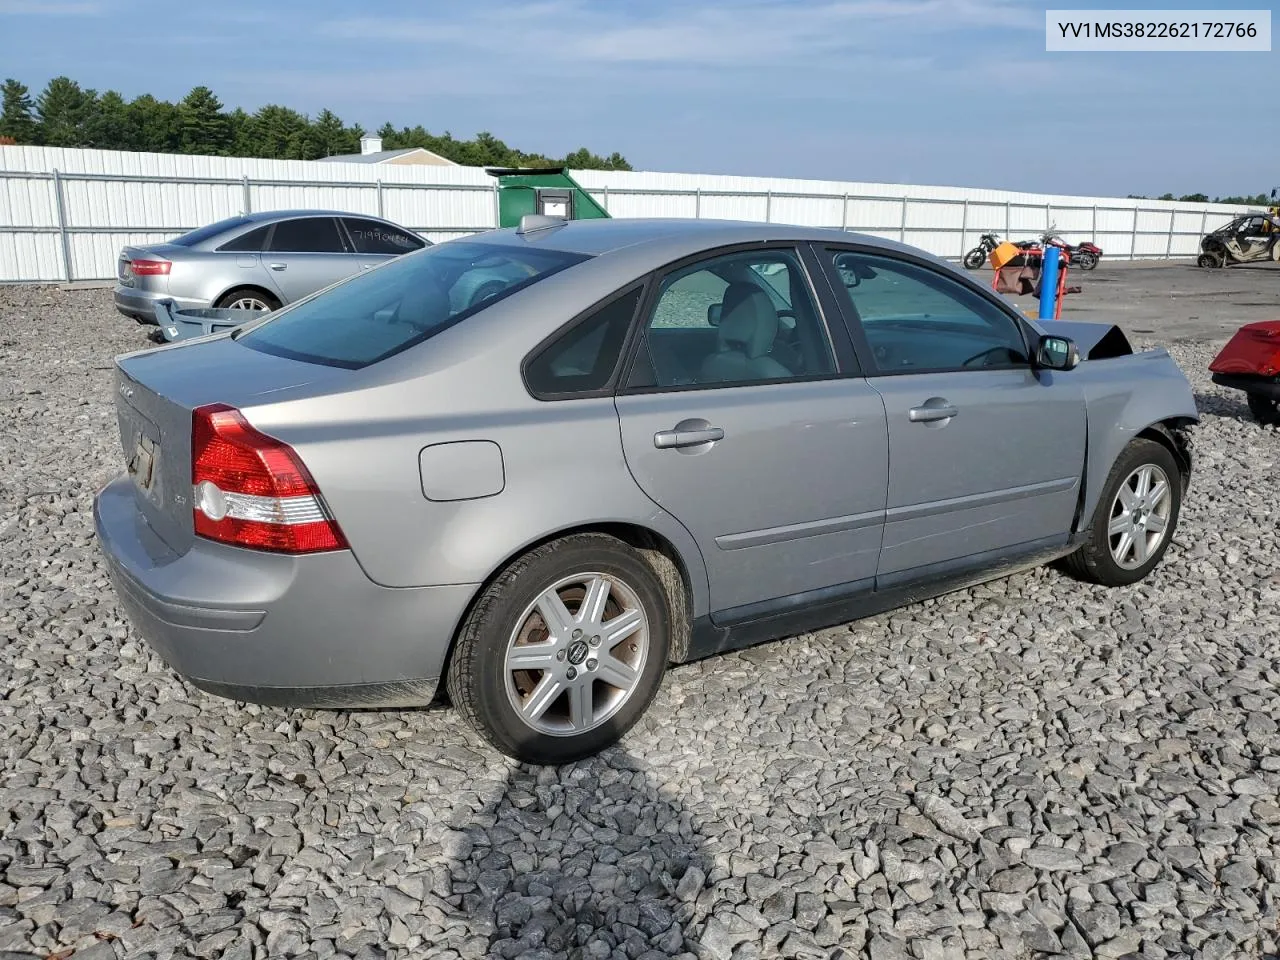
{"type": "Point", "coordinates": [976, 257]}
{"type": "Point", "coordinates": [1083, 255]}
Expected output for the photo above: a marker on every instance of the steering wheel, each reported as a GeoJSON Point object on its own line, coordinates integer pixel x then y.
{"type": "Point", "coordinates": [985, 353]}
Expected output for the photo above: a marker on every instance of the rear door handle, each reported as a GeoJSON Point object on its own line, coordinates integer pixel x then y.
{"type": "Point", "coordinates": [671, 439]}
{"type": "Point", "coordinates": [934, 409]}
{"type": "Point", "coordinates": [278, 266]}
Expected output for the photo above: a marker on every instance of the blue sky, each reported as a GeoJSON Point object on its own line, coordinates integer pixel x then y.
{"type": "Point", "coordinates": [917, 91]}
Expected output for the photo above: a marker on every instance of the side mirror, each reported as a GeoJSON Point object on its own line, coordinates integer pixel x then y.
{"type": "Point", "coordinates": [1057, 353]}
{"type": "Point", "coordinates": [713, 314]}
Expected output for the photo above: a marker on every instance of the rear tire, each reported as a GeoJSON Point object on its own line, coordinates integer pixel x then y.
{"type": "Point", "coordinates": [1085, 261]}
{"type": "Point", "coordinates": [975, 258]}
{"type": "Point", "coordinates": [555, 687]}
{"type": "Point", "coordinates": [241, 297]}
{"type": "Point", "coordinates": [1264, 409]}
{"type": "Point", "coordinates": [1135, 506]}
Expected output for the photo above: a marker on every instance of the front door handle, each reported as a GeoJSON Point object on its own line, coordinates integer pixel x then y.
{"type": "Point", "coordinates": [933, 410]}
{"type": "Point", "coordinates": [671, 439]}
{"type": "Point", "coordinates": [278, 266]}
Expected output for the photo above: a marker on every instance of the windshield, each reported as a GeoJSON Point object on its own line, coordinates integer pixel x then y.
{"type": "Point", "coordinates": [381, 313]}
{"type": "Point", "coordinates": [201, 234]}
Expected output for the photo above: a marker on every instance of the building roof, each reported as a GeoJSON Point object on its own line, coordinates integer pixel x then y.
{"type": "Point", "coordinates": [382, 156]}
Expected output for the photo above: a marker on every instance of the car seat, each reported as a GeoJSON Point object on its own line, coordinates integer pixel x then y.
{"type": "Point", "coordinates": [748, 327]}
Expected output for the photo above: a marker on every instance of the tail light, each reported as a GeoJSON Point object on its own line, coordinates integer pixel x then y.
{"type": "Point", "coordinates": [150, 268]}
{"type": "Point", "coordinates": [252, 490]}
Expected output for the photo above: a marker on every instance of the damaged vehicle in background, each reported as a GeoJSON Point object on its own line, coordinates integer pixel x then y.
{"type": "Point", "coordinates": [667, 440]}
{"type": "Point", "coordinates": [257, 262]}
{"type": "Point", "coordinates": [1249, 239]}
{"type": "Point", "coordinates": [1251, 362]}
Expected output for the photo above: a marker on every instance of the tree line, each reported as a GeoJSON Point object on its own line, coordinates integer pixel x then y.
{"type": "Point", "coordinates": [1257, 200]}
{"type": "Point", "coordinates": [67, 115]}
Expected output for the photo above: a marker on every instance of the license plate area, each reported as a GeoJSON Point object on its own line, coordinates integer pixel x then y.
{"type": "Point", "coordinates": [144, 463]}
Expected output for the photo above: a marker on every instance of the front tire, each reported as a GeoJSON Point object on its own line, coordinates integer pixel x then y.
{"type": "Point", "coordinates": [1085, 261]}
{"type": "Point", "coordinates": [1210, 261]}
{"type": "Point", "coordinates": [1135, 519]}
{"type": "Point", "coordinates": [564, 651]}
{"type": "Point", "coordinates": [975, 258]}
{"type": "Point", "coordinates": [1264, 409]}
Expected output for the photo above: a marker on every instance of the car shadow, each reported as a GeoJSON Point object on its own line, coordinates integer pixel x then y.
{"type": "Point", "coordinates": [1231, 406]}
{"type": "Point", "coordinates": [579, 860]}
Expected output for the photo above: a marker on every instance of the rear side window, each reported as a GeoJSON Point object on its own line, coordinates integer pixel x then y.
{"type": "Point", "coordinates": [583, 359]}
{"type": "Point", "coordinates": [370, 236]}
{"type": "Point", "coordinates": [378, 314]}
{"type": "Point", "coordinates": [208, 233]}
{"type": "Point", "coordinates": [307, 235]}
{"type": "Point", "coordinates": [250, 242]}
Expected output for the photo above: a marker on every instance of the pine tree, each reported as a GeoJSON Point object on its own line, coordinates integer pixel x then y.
{"type": "Point", "coordinates": [158, 124]}
{"type": "Point", "coordinates": [278, 133]}
{"type": "Point", "coordinates": [330, 138]}
{"type": "Point", "coordinates": [204, 127]}
{"type": "Point", "coordinates": [111, 126]}
{"type": "Point", "coordinates": [65, 111]}
{"type": "Point", "coordinates": [17, 117]}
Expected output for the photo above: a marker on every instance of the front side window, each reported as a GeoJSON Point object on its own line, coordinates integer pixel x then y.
{"type": "Point", "coordinates": [307, 235]}
{"type": "Point", "coordinates": [374, 237]}
{"type": "Point", "coordinates": [916, 319]}
{"type": "Point", "coordinates": [377, 314]}
{"type": "Point", "coordinates": [737, 318]}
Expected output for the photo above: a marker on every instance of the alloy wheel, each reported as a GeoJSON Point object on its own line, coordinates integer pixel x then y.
{"type": "Point", "coordinates": [577, 654]}
{"type": "Point", "coordinates": [1140, 516]}
{"type": "Point", "coordinates": [249, 303]}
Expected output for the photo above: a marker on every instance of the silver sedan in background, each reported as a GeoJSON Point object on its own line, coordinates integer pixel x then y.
{"type": "Point", "coordinates": [259, 261]}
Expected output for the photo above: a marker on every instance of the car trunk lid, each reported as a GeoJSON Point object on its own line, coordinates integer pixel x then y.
{"type": "Point", "coordinates": [156, 392]}
{"type": "Point", "coordinates": [1254, 349]}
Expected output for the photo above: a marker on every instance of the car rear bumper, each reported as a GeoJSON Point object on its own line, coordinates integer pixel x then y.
{"type": "Point", "coordinates": [141, 304]}
{"type": "Point", "coordinates": [268, 628]}
{"type": "Point", "coordinates": [1268, 387]}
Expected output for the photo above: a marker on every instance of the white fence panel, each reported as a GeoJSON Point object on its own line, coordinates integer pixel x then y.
{"type": "Point", "coordinates": [64, 214]}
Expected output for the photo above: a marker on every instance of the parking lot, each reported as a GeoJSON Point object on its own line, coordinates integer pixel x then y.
{"type": "Point", "coordinates": [1033, 767]}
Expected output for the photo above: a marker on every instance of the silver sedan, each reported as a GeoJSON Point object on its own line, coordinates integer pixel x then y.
{"type": "Point", "coordinates": [655, 441]}
{"type": "Point", "coordinates": [260, 261]}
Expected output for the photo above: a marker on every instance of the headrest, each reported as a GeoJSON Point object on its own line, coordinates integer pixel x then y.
{"type": "Point", "coordinates": [748, 321]}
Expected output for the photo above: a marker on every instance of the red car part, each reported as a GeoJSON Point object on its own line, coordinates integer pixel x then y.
{"type": "Point", "coordinates": [1254, 350]}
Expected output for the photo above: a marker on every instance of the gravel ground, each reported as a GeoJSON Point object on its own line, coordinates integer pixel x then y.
{"type": "Point", "coordinates": [1030, 768]}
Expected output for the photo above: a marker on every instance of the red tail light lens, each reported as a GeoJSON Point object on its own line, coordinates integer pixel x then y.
{"type": "Point", "coordinates": [150, 268]}
{"type": "Point", "coordinates": [252, 491]}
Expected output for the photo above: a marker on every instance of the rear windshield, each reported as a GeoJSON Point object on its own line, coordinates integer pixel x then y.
{"type": "Point", "coordinates": [200, 234]}
{"type": "Point", "coordinates": [380, 313]}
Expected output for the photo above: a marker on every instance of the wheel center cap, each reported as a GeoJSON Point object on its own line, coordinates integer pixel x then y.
{"type": "Point", "coordinates": [577, 652]}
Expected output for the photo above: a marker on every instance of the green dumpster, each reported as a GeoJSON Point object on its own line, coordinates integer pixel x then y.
{"type": "Point", "coordinates": [543, 190]}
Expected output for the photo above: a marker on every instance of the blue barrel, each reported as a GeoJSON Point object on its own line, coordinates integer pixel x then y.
{"type": "Point", "coordinates": [1049, 283]}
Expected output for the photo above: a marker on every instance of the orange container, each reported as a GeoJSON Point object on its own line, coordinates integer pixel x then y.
{"type": "Point", "coordinates": [1002, 254]}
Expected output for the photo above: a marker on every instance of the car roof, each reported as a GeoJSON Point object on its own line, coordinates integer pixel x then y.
{"type": "Point", "coordinates": [604, 236]}
{"type": "Point", "coordinates": [270, 216]}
